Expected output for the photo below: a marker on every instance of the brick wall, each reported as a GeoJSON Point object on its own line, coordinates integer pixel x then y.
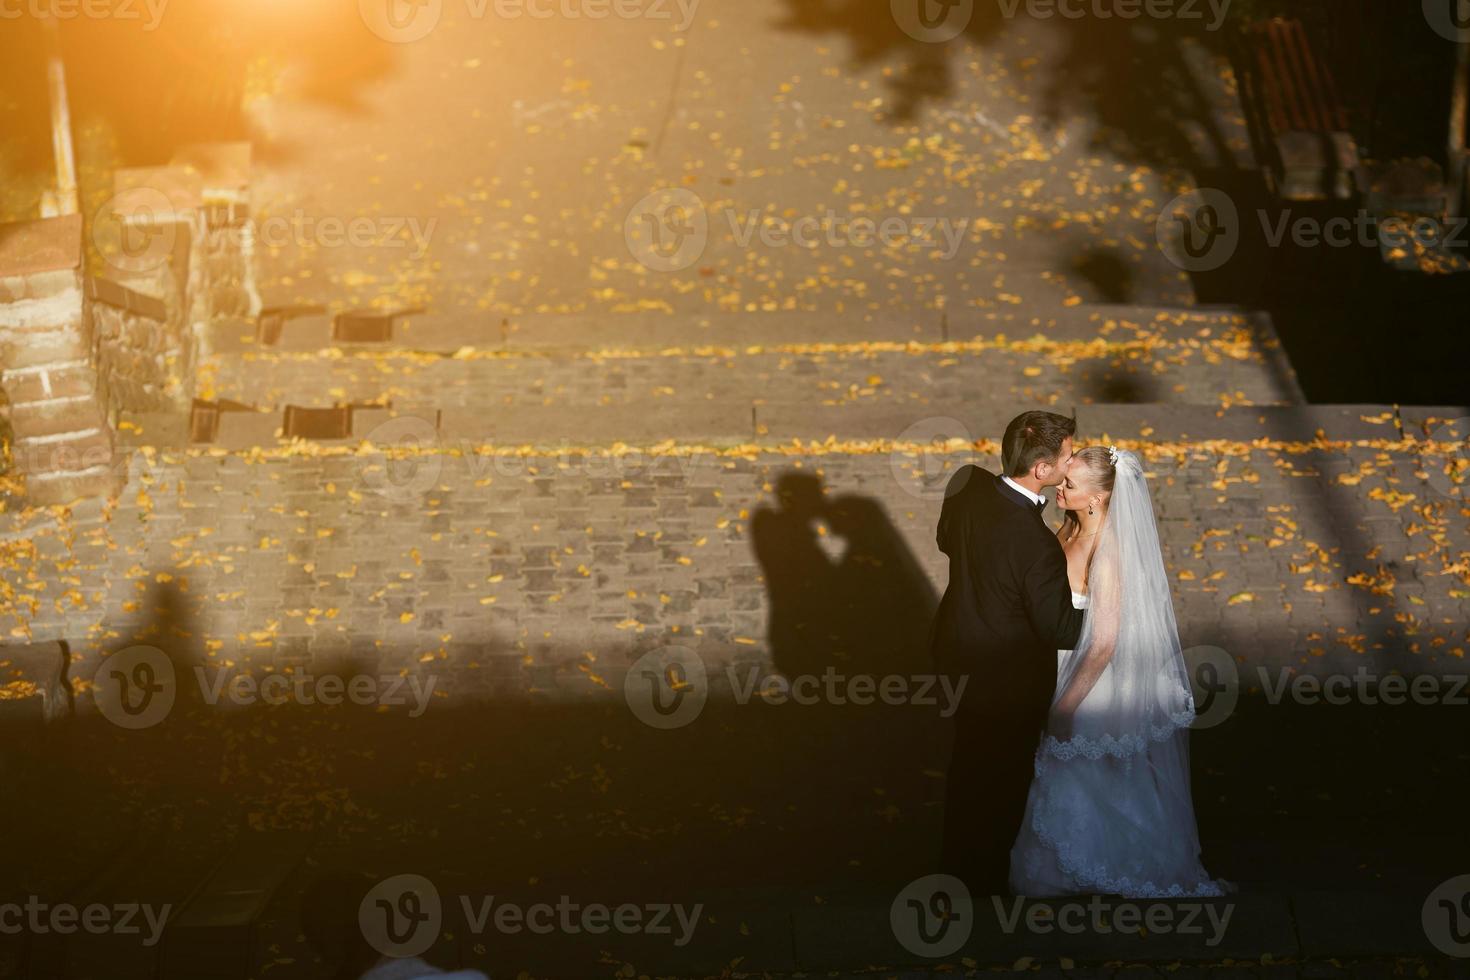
{"type": "Point", "coordinates": [175, 246]}
{"type": "Point", "coordinates": [137, 359]}
{"type": "Point", "coordinates": [159, 217]}
{"type": "Point", "coordinates": [223, 170]}
{"type": "Point", "coordinates": [228, 258]}
{"type": "Point", "coordinates": [62, 441]}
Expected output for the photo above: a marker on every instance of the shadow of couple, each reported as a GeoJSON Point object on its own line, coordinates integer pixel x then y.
{"type": "Point", "coordinates": [844, 589]}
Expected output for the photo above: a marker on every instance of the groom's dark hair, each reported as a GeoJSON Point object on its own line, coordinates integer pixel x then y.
{"type": "Point", "coordinates": [1034, 437]}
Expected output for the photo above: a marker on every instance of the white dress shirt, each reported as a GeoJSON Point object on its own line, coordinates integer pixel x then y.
{"type": "Point", "coordinates": [1036, 497]}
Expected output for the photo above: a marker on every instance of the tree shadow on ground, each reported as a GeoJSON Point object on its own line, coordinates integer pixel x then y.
{"type": "Point", "coordinates": [1131, 76]}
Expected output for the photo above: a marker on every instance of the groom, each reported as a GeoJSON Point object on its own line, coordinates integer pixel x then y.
{"type": "Point", "coordinates": [1006, 613]}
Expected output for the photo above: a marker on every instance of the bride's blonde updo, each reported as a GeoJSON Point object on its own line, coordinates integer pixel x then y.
{"type": "Point", "coordinates": [1098, 461]}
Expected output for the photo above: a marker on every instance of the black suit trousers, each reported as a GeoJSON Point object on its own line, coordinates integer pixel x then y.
{"type": "Point", "coordinates": [990, 775]}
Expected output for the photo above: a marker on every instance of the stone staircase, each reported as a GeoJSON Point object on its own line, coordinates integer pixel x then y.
{"type": "Point", "coordinates": [731, 378]}
{"type": "Point", "coordinates": [61, 436]}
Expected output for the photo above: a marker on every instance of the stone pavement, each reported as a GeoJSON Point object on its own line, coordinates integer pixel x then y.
{"type": "Point", "coordinates": [517, 586]}
{"type": "Point", "coordinates": [555, 478]}
{"type": "Point", "coordinates": [521, 150]}
{"type": "Point", "coordinates": [507, 566]}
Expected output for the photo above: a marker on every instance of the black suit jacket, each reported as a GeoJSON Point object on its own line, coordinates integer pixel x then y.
{"type": "Point", "coordinates": [1008, 607]}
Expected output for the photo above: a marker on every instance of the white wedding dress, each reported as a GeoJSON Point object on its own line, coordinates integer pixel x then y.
{"type": "Point", "coordinates": [1110, 810]}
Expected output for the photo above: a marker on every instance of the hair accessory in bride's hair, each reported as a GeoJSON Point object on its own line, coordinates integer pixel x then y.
{"type": "Point", "coordinates": [1113, 455]}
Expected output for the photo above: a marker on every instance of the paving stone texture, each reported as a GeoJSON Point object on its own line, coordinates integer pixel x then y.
{"type": "Point", "coordinates": [573, 460]}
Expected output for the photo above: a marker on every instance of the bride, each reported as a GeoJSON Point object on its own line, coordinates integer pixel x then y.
{"type": "Point", "coordinates": [1110, 809]}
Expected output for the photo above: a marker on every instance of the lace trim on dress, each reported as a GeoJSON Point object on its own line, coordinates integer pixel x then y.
{"type": "Point", "coordinates": [1093, 879]}
{"type": "Point", "coordinates": [1119, 747]}
{"type": "Point", "coordinates": [1099, 881]}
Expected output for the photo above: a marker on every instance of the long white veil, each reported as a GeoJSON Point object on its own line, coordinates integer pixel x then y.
{"type": "Point", "coordinates": [1130, 627]}
{"type": "Point", "coordinates": [1125, 751]}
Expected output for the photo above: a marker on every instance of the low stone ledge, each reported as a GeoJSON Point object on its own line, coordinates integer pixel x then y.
{"type": "Point", "coordinates": [44, 245]}
{"type": "Point", "coordinates": [67, 379]}
{"type": "Point", "coordinates": [156, 193]}
{"type": "Point", "coordinates": [111, 293]}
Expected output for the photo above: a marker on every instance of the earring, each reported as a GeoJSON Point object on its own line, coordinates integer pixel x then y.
{"type": "Point", "coordinates": [1089, 509]}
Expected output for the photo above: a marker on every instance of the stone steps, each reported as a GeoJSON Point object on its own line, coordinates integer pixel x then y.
{"type": "Point", "coordinates": [735, 377]}
{"type": "Point", "coordinates": [60, 432]}
{"type": "Point", "coordinates": [567, 333]}
{"type": "Point", "coordinates": [54, 416]}
{"type": "Point", "coordinates": [699, 422]}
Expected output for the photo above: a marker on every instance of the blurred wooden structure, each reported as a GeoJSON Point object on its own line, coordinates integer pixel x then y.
{"type": "Point", "coordinates": [1304, 121]}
